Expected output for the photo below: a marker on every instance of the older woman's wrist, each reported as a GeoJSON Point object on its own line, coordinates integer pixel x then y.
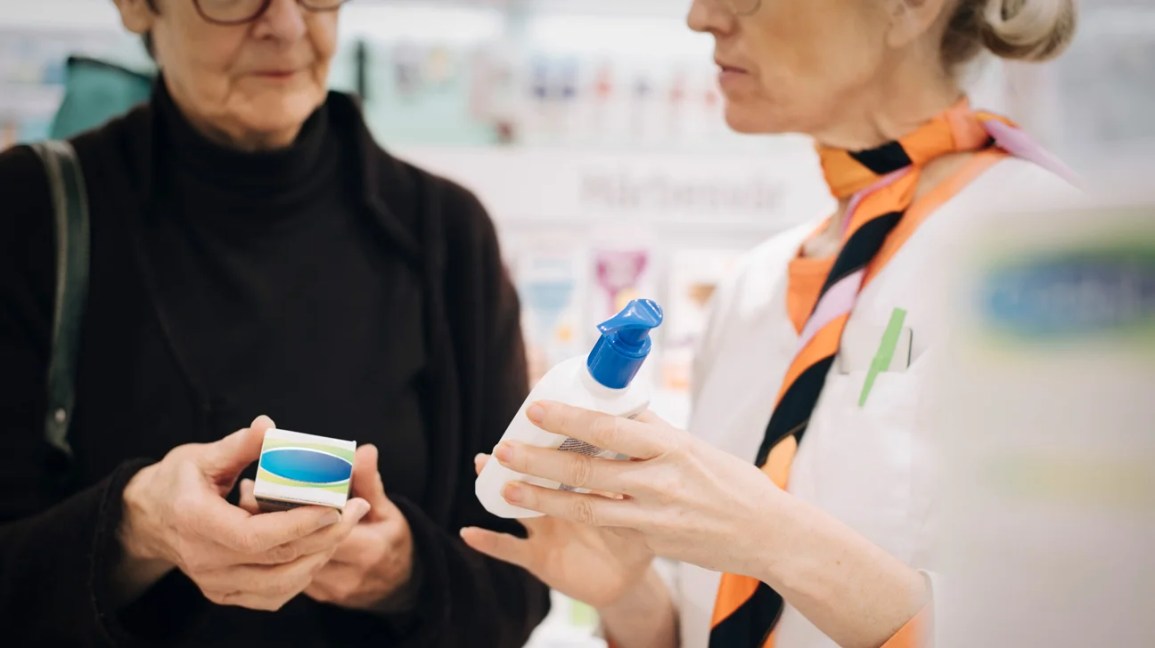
{"type": "Point", "coordinates": [140, 564]}
{"type": "Point", "coordinates": [644, 615]}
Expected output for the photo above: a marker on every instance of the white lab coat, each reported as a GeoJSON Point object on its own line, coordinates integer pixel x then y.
{"type": "Point", "coordinates": [870, 467]}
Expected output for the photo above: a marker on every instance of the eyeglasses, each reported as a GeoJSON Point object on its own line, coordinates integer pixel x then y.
{"type": "Point", "coordinates": [742, 7]}
{"type": "Point", "coordinates": [237, 12]}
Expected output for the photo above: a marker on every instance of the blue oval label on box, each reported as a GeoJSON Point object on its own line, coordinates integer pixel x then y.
{"type": "Point", "coordinates": [308, 466]}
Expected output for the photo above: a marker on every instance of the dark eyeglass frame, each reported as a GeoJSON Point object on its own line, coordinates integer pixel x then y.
{"type": "Point", "coordinates": [743, 12]}
{"type": "Point", "coordinates": [264, 6]}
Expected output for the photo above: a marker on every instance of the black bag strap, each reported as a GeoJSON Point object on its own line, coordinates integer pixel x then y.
{"type": "Point", "coordinates": [70, 208]}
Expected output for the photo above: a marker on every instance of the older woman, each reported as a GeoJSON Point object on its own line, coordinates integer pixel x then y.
{"type": "Point", "coordinates": [815, 361]}
{"type": "Point", "coordinates": [253, 251]}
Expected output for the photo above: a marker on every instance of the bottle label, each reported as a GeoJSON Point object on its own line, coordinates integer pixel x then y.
{"type": "Point", "coordinates": [581, 447]}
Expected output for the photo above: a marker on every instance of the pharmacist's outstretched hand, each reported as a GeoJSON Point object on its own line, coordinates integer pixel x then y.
{"type": "Point", "coordinates": [687, 499]}
{"type": "Point", "coordinates": [176, 515]}
{"type": "Point", "coordinates": [594, 565]}
{"type": "Point", "coordinates": [373, 569]}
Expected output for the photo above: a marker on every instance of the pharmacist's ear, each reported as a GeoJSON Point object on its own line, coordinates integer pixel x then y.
{"type": "Point", "coordinates": [913, 20]}
{"type": "Point", "coordinates": [137, 16]}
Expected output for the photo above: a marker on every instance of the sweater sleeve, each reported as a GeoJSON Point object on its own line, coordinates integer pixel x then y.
{"type": "Point", "coordinates": [58, 544]}
{"type": "Point", "coordinates": [465, 596]}
{"type": "Point", "coordinates": [47, 546]}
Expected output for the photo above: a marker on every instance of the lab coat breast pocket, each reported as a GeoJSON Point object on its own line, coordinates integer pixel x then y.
{"type": "Point", "coordinates": [858, 462]}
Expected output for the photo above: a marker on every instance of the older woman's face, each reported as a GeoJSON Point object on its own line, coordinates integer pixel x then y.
{"type": "Point", "coordinates": [794, 64]}
{"type": "Point", "coordinates": [255, 82]}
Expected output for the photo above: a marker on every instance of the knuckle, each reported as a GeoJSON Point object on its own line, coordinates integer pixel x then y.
{"type": "Point", "coordinates": [604, 430]}
{"type": "Point", "coordinates": [283, 554]}
{"type": "Point", "coordinates": [195, 563]}
{"type": "Point", "coordinates": [665, 486]}
{"type": "Point", "coordinates": [266, 604]}
{"type": "Point", "coordinates": [581, 470]}
{"type": "Point", "coordinates": [632, 483]}
{"type": "Point", "coordinates": [665, 497]}
{"type": "Point", "coordinates": [212, 594]}
{"type": "Point", "coordinates": [181, 505]}
{"type": "Point", "coordinates": [190, 557]}
{"type": "Point", "coordinates": [583, 511]}
{"type": "Point", "coordinates": [245, 542]}
{"type": "Point", "coordinates": [339, 592]}
{"type": "Point", "coordinates": [282, 588]}
{"type": "Point", "coordinates": [346, 591]}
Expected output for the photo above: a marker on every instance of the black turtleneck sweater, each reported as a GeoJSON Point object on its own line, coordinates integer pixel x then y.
{"type": "Point", "coordinates": [337, 289]}
{"type": "Point", "coordinates": [279, 296]}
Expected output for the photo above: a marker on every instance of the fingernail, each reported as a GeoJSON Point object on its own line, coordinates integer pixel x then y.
{"type": "Point", "coordinates": [536, 413]}
{"type": "Point", "coordinates": [504, 452]}
{"type": "Point", "coordinates": [513, 493]}
{"type": "Point", "coordinates": [331, 518]}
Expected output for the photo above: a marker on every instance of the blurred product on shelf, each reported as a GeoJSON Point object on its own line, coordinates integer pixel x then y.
{"type": "Point", "coordinates": [618, 274]}
{"type": "Point", "coordinates": [1056, 333]}
{"type": "Point", "coordinates": [548, 272]}
{"type": "Point", "coordinates": [571, 624]}
{"type": "Point", "coordinates": [544, 79]}
{"type": "Point", "coordinates": [691, 281]}
{"type": "Point", "coordinates": [34, 71]}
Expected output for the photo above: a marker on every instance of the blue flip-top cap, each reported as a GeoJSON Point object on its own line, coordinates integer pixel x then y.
{"type": "Point", "coordinates": [624, 344]}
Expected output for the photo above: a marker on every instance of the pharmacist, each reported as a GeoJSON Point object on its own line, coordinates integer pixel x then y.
{"type": "Point", "coordinates": [814, 364]}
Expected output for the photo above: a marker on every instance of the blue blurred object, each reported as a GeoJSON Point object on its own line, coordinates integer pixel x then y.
{"type": "Point", "coordinates": [96, 91]}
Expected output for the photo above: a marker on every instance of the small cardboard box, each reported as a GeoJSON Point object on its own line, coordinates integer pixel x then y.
{"type": "Point", "coordinates": [302, 469]}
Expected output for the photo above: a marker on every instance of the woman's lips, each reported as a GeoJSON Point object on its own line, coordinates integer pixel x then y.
{"type": "Point", "coordinates": [730, 74]}
{"type": "Point", "coordinates": [276, 75]}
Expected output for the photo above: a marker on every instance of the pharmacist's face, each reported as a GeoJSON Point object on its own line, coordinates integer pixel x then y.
{"type": "Point", "coordinates": [262, 77]}
{"type": "Point", "coordinates": [794, 65]}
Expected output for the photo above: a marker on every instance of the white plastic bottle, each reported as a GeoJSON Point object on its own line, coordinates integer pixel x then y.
{"type": "Point", "coordinates": [603, 382]}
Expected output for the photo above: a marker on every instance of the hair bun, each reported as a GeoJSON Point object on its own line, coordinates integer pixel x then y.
{"type": "Point", "coordinates": [1028, 30]}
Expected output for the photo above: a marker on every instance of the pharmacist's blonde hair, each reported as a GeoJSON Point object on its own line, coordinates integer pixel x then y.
{"type": "Point", "coordinates": [1020, 30]}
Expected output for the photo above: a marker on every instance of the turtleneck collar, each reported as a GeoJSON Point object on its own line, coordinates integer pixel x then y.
{"type": "Point", "coordinates": [266, 175]}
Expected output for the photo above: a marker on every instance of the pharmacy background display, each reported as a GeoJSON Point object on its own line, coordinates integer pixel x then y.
{"type": "Point", "coordinates": [593, 131]}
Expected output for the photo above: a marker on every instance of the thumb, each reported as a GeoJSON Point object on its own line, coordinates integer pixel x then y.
{"type": "Point", "coordinates": [366, 480]}
{"type": "Point", "coordinates": [224, 460]}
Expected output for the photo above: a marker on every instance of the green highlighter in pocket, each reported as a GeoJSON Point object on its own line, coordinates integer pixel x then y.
{"type": "Point", "coordinates": [885, 355]}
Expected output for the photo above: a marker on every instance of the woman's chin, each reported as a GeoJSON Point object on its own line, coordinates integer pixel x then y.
{"type": "Point", "coordinates": [273, 112]}
{"type": "Point", "coordinates": [275, 129]}
{"type": "Point", "coordinates": [747, 121]}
